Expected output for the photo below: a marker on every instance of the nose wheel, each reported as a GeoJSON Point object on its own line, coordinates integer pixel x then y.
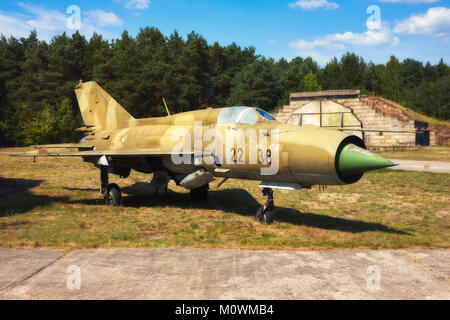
{"type": "Point", "coordinates": [111, 192]}
{"type": "Point", "coordinates": [114, 195]}
{"type": "Point", "coordinates": [266, 213]}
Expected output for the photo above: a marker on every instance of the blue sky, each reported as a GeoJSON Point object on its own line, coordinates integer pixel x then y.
{"type": "Point", "coordinates": [322, 29]}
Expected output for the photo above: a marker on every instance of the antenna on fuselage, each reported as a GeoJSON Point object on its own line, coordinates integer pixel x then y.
{"type": "Point", "coordinates": [167, 109]}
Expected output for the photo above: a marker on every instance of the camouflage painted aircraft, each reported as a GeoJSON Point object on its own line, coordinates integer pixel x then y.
{"type": "Point", "coordinates": [189, 148]}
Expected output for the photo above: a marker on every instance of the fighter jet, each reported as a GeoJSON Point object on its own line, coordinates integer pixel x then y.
{"type": "Point", "coordinates": [194, 148]}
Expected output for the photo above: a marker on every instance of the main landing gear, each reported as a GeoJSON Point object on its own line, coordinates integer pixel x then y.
{"type": "Point", "coordinates": [111, 192]}
{"type": "Point", "coordinates": [266, 213]}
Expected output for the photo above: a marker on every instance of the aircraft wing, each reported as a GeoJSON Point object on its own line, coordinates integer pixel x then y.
{"type": "Point", "coordinates": [375, 130]}
{"type": "Point", "coordinates": [121, 153]}
{"type": "Point", "coordinates": [63, 146]}
{"type": "Point", "coordinates": [142, 152]}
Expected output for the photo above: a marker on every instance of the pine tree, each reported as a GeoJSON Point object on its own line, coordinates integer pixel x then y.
{"type": "Point", "coordinates": [352, 71]}
{"type": "Point", "coordinates": [374, 75]}
{"type": "Point", "coordinates": [331, 76]}
{"type": "Point", "coordinates": [257, 86]}
{"type": "Point", "coordinates": [196, 89]}
{"type": "Point", "coordinates": [309, 83]}
{"type": "Point", "coordinates": [174, 78]}
{"type": "Point", "coordinates": [412, 71]}
{"type": "Point", "coordinates": [392, 79]}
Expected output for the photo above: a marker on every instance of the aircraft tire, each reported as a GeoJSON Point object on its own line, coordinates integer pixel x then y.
{"type": "Point", "coordinates": [200, 194]}
{"type": "Point", "coordinates": [259, 215]}
{"type": "Point", "coordinates": [269, 216]}
{"type": "Point", "coordinates": [264, 217]}
{"type": "Point", "coordinates": [114, 195]}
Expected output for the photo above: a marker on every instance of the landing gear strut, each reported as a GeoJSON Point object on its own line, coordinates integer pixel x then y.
{"type": "Point", "coordinates": [111, 192]}
{"type": "Point", "coordinates": [266, 213]}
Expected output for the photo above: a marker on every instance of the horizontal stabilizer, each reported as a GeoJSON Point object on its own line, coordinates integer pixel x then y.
{"type": "Point", "coordinates": [63, 146]}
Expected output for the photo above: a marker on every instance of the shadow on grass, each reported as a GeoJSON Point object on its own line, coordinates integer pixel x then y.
{"type": "Point", "coordinates": [16, 198]}
{"type": "Point", "coordinates": [4, 225]}
{"type": "Point", "coordinates": [82, 189]}
{"type": "Point", "coordinates": [243, 203]}
{"type": "Point", "coordinates": [330, 223]}
{"type": "Point", "coordinates": [8, 185]}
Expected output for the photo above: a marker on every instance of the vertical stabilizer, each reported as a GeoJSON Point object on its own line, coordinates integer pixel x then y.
{"type": "Point", "coordinates": [99, 109]}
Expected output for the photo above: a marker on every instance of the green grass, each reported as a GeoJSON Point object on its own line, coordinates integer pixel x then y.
{"type": "Point", "coordinates": [387, 209]}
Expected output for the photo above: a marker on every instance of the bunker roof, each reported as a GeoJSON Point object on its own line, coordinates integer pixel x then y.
{"type": "Point", "coordinates": [328, 94]}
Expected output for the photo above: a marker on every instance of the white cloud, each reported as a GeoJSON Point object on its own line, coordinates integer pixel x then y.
{"type": "Point", "coordinates": [48, 20]}
{"type": "Point", "coordinates": [102, 18]}
{"type": "Point", "coordinates": [435, 22]}
{"type": "Point", "coordinates": [411, 1]}
{"type": "Point", "coordinates": [49, 23]}
{"type": "Point", "coordinates": [322, 57]}
{"type": "Point", "coordinates": [380, 41]}
{"type": "Point", "coordinates": [12, 24]}
{"type": "Point", "coordinates": [137, 4]}
{"type": "Point", "coordinates": [313, 4]}
{"type": "Point", "coordinates": [339, 41]}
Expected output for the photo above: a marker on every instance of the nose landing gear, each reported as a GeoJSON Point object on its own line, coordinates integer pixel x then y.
{"type": "Point", "coordinates": [111, 192]}
{"type": "Point", "coordinates": [266, 213]}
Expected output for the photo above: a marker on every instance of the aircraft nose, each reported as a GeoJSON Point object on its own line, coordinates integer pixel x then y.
{"type": "Point", "coordinates": [354, 160]}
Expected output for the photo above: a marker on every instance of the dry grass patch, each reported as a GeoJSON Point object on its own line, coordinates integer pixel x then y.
{"type": "Point", "coordinates": [61, 208]}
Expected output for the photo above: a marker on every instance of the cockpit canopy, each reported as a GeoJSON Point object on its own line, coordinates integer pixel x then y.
{"type": "Point", "coordinates": [242, 115]}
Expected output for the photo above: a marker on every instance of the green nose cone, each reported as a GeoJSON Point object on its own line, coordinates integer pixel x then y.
{"type": "Point", "coordinates": [354, 160]}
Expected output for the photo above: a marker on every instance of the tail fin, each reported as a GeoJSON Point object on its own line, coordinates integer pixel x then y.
{"type": "Point", "coordinates": [99, 109]}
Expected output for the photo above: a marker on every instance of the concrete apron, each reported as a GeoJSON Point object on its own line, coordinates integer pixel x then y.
{"type": "Point", "coordinates": [223, 274]}
{"type": "Point", "coordinates": [426, 166]}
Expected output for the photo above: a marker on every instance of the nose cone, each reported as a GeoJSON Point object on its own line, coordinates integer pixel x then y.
{"type": "Point", "coordinates": [354, 160]}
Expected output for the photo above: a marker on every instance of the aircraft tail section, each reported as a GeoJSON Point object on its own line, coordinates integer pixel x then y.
{"type": "Point", "coordinates": [99, 109]}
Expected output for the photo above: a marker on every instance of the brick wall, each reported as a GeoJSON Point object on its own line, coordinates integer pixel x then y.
{"type": "Point", "coordinates": [372, 119]}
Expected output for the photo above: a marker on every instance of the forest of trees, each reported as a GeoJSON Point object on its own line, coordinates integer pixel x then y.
{"type": "Point", "coordinates": [37, 80]}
